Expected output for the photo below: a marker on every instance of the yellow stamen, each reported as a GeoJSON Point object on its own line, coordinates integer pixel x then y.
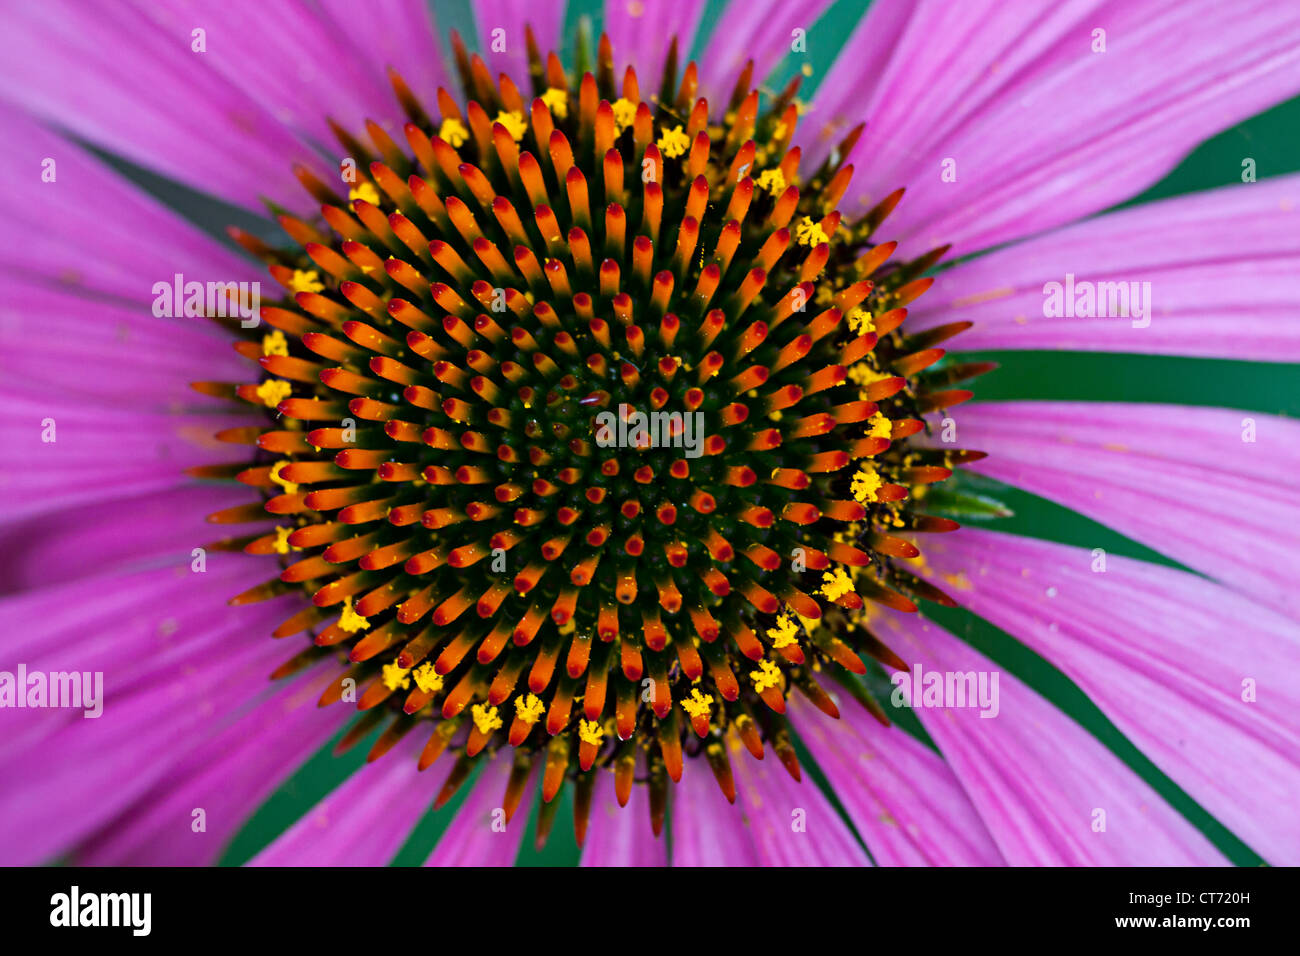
{"type": "Point", "coordinates": [365, 191]}
{"type": "Point", "coordinates": [881, 427]}
{"type": "Point", "coordinates": [772, 180]}
{"type": "Point", "coordinates": [865, 484]}
{"type": "Point", "coordinates": [350, 620]}
{"type": "Point", "coordinates": [453, 133]}
{"type": "Point", "coordinates": [861, 322]}
{"type": "Point", "coordinates": [557, 101]}
{"type": "Point", "coordinates": [282, 545]}
{"type": "Point", "coordinates": [624, 113]}
{"type": "Point", "coordinates": [514, 124]}
{"type": "Point", "coordinates": [485, 718]}
{"type": "Point", "coordinates": [590, 732]}
{"type": "Point", "coordinates": [288, 486]}
{"type": "Point", "coordinates": [810, 233]}
{"type": "Point", "coordinates": [861, 373]}
{"type": "Point", "coordinates": [529, 709]}
{"type": "Point", "coordinates": [767, 675]}
{"type": "Point", "coordinates": [783, 635]}
{"type": "Point", "coordinates": [427, 679]}
{"type": "Point", "coordinates": [275, 344]}
{"type": "Point", "coordinates": [697, 705]}
{"type": "Point", "coordinates": [836, 584]}
{"type": "Point", "coordinates": [396, 677]}
{"type": "Point", "coordinates": [305, 280]}
{"type": "Point", "coordinates": [273, 391]}
{"type": "Point", "coordinates": [673, 142]}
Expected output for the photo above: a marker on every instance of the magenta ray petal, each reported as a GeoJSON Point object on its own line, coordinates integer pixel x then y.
{"type": "Point", "coordinates": [392, 33]}
{"type": "Point", "coordinates": [98, 451]}
{"type": "Point", "coordinates": [61, 546]}
{"type": "Point", "coordinates": [1004, 96]}
{"type": "Point", "coordinates": [761, 31]}
{"type": "Point", "coordinates": [52, 335]}
{"type": "Point", "coordinates": [478, 834]}
{"type": "Point", "coordinates": [1165, 655]}
{"type": "Point", "coordinates": [111, 75]}
{"type": "Point", "coordinates": [1223, 268]}
{"type": "Point", "coordinates": [364, 821]}
{"type": "Point", "coordinates": [639, 31]}
{"type": "Point", "coordinates": [546, 17]}
{"type": "Point", "coordinates": [138, 629]}
{"type": "Point", "coordinates": [789, 822]}
{"type": "Point", "coordinates": [89, 771]}
{"type": "Point", "coordinates": [302, 64]}
{"type": "Point", "coordinates": [708, 831]}
{"type": "Point", "coordinates": [92, 233]}
{"type": "Point", "coordinates": [1037, 778]}
{"type": "Point", "coordinates": [902, 798]}
{"type": "Point", "coordinates": [228, 777]}
{"type": "Point", "coordinates": [621, 836]}
{"type": "Point", "coordinates": [1181, 480]}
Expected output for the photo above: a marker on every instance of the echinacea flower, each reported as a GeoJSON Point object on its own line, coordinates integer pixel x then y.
{"type": "Point", "coordinates": [599, 436]}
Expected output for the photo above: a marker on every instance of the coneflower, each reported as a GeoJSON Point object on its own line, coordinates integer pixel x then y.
{"type": "Point", "coordinates": [602, 429]}
{"type": "Point", "coordinates": [492, 574]}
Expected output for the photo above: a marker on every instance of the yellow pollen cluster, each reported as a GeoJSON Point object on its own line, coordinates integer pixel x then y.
{"type": "Point", "coordinates": [783, 635]}
{"type": "Point", "coordinates": [453, 133]}
{"type": "Point", "coordinates": [863, 374]}
{"type": "Point", "coordinates": [273, 391]}
{"type": "Point", "coordinates": [514, 124]}
{"type": "Point", "coordinates": [767, 675]}
{"type": "Point", "coordinates": [810, 233]}
{"type": "Point", "coordinates": [673, 142]}
{"type": "Point", "coordinates": [697, 705]}
{"type": "Point", "coordinates": [861, 322]}
{"type": "Point", "coordinates": [624, 113]}
{"type": "Point", "coordinates": [282, 545]}
{"type": "Point", "coordinates": [557, 101]}
{"type": "Point", "coordinates": [772, 180]}
{"type": "Point", "coordinates": [836, 584]}
{"type": "Point", "coordinates": [865, 484]}
{"type": "Point", "coordinates": [427, 679]}
{"type": "Point", "coordinates": [485, 718]}
{"type": "Point", "coordinates": [275, 344]}
{"type": "Point", "coordinates": [365, 192]}
{"type": "Point", "coordinates": [589, 731]}
{"type": "Point", "coordinates": [396, 677]}
{"type": "Point", "coordinates": [350, 620]}
{"type": "Point", "coordinates": [306, 280]}
{"type": "Point", "coordinates": [880, 426]}
{"type": "Point", "coordinates": [529, 709]}
{"type": "Point", "coordinates": [288, 486]}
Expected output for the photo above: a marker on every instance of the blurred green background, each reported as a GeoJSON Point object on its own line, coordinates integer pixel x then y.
{"type": "Point", "coordinates": [1271, 138]}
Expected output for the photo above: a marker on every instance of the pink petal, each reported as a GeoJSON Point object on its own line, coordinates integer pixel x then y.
{"type": "Point", "coordinates": [99, 451]}
{"type": "Point", "coordinates": [546, 17]}
{"type": "Point", "coordinates": [902, 798]}
{"type": "Point", "coordinates": [706, 830]}
{"type": "Point", "coordinates": [1036, 777]}
{"type": "Point", "coordinates": [761, 31]}
{"type": "Point", "coordinates": [1178, 479]}
{"type": "Point", "coordinates": [1223, 268]}
{"type": "Point", "coordinates": [111, 75]}
{"type": "Point", "coordinates": [1164, 654]}
{"type": "Point", "coordinates": [91, 233]}
{"type": "Point", "coordinates": [621, 836]}
{"type": "Point", "coordinates": [364, 821]}
{"type": "Point", "coordinates": [478, 834]}
{"type": "Point", "coordinates": [1031, 116]}
{"type": "Point", "coordinates": [228, 777]}
{"type": "Point", "coordinates": [790, 823]}
{"type": "Point", "coordinates": [641, 30]}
